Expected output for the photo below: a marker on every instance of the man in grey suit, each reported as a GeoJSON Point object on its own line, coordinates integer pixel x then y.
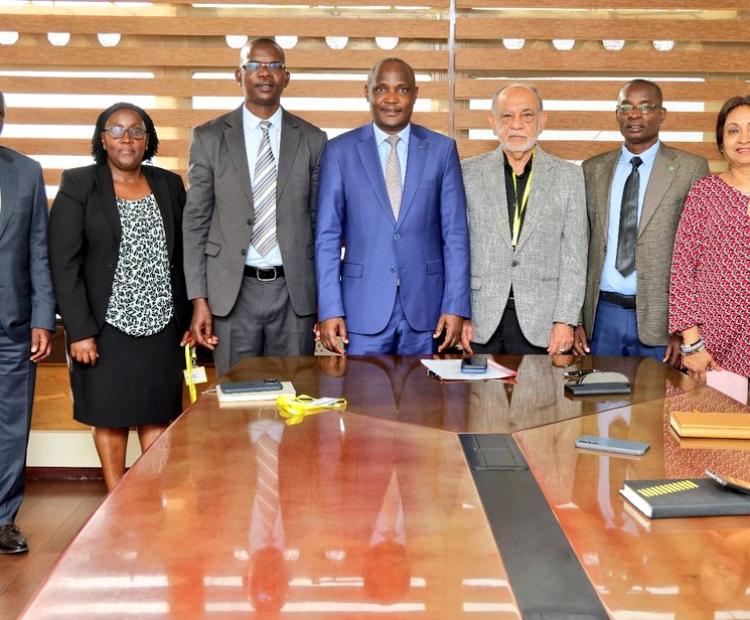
{"type": "Point", "coordinates": [634, 197]}
{"type": "Point", "coordinates": [27, 320]}
{"type": "Point", "coordinates": [248, 222]}
{"type": "Point", "coordinates": [527, 231]}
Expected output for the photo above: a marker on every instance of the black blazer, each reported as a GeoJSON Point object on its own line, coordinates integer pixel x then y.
{"type": "Point", "coordinates": [84, 242]}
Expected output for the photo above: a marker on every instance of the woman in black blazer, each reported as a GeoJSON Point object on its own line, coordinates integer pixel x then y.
{"type": "Point", "coordinates": [115, 248]}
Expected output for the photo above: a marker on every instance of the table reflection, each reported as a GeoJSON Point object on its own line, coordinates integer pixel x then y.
{"type": "Point", "coordinates": [687, 568]}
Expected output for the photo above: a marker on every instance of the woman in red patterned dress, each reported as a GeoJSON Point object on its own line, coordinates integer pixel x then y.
{"type": "Point", "coordinates": [709, 300]}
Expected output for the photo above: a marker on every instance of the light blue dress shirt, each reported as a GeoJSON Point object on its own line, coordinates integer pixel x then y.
{"type": "Point", "coordinates": [253, 138]}
{"type": "Point", "coordinates": [612, 280]}
{"type": "Point", "coordinates": [384, 148]}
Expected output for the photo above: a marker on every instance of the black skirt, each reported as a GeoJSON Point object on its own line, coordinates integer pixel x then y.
{"type": "Point", "coordinates": [136, 380]}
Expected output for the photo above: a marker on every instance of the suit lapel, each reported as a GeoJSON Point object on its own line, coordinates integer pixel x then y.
{"type": "Point", "coordinates": [604, 174]}
{"type": "Point", "coordinates": [539, 185]}
{"type": "Point", "coordinates": [235, 137]}
{"type": "Point", "coordinates": [8, 190]}
{"type": "Point", "coordinates": [368, 155]}
{"type": "Point", "coordinates": [493, 177]}
{"type": "Point", "coordinates": [106, 188]}
{"type": "Point", "coordinates": [662, 174]}
{"type": "Point", "coordinates": [418, 153]}
{"type": "Point", "coordinates": [287, 151]}
{"type": "Point", "coordinates": [159, 187]}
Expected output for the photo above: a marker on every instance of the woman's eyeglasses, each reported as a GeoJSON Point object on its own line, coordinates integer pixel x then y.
{"type": "Point", "coordinates": [118, 132]}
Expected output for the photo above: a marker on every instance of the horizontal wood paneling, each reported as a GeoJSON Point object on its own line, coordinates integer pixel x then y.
{"type": "Point", "coordinates": [611, 5]}
{"type": "Point", "coordinates": [598, 61]}
{"type": "Point", "coordinates": [165, 26]}
{"type": "Point", "coordinates": [174, 39]}
{"type": "Point", "coordinates": [148, 57]}
{"type": "Point", "coordinates": [187, 118]}
{"type": "Point", "coordinates": [606, 90]}
{"type": "Point", "coordinates": [583, 28]}
{"type": "Point", "coordinates": [196, 87]}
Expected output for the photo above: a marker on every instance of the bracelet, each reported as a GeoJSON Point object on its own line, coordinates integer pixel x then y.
{"type": "Point", "coordinates": [689, 349]}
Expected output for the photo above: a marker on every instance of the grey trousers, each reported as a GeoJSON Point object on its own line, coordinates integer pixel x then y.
{"type": "Point", "coordinates": [17, 375]}
{"type": "Point", "coordinates": [262, 322]}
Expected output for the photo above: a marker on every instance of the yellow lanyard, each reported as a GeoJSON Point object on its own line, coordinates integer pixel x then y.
{"type": "Point", "coordinates": [520, 207]}
{"type": "Point", "coordinates": [191, 359]}
{"type": "Point", "coordinates": [294, 408]}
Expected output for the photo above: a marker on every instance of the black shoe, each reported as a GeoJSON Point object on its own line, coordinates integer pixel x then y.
{"type": "Point", "coordinates": [11, 539]}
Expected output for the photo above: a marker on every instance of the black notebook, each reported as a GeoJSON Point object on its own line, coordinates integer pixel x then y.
{"type": "Point", "coordinates": [688, 497]}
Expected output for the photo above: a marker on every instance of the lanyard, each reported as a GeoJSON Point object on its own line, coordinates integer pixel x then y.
{"type": "Point", "coordinates": [520, 207]}
{"type": "Point", "coordinates": [191, 359]}
{"type": "Point", "coordinates": [294, 408]}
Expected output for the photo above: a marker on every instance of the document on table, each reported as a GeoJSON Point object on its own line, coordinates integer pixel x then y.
{"type": "Point", "coordinates": [729, 383]}
{"type": "Point", "coordinates": [450, 370]}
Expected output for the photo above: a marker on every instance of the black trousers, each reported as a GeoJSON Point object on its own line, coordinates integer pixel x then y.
{"type": "Point", "coordinates": [508, 338]}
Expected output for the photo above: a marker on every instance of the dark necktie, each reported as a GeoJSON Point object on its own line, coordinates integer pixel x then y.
{"type": "Point", "coordinates": [625, 262]}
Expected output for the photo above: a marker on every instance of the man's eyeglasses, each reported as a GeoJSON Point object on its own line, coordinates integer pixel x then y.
{"type": "Point", "coordinates": [643, 108]}
{"type": "Point", "coordinates": [118, 131]}
{"type": "Point", "coordinates": [251, 66]}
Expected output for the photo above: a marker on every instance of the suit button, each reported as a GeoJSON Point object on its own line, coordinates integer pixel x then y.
{"type": "Point", "coordinates": [250, 222]}
{"type": "Point", "coordinates": [393, 270]}
{"type": "Point", "coordinates": [397, 236]}
{"type": "Point", "coordinates": [243, 252]}
{"type": "Point", "coordinates": [514, 263]}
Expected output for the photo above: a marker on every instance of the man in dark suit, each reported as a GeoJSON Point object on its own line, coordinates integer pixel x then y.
{"type": "Point", "coordinates": [391, 193]}
{"type": "Point", "coordinates": [27, 320]}
{"type": "Point", "coordinates": [634, 197]}
{"type": "Point", "coordinates": [248, 222]}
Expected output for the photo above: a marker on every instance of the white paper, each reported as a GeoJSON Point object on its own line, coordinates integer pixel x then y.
{"type": "Point", "coordinates": [729, 383]}
{"type": "Point", "coordinates": [450, 370]}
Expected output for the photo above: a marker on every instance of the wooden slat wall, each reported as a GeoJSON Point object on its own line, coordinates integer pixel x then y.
{"type": "Point", "coordinates": [175, 39]}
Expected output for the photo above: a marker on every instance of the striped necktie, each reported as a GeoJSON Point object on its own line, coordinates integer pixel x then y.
{"type": "Point", "coordinates": [264, 195]}
{"type": "Point", "coordinates": [267, 460]}
{"type": "Point", "coordinates": [393, 177]}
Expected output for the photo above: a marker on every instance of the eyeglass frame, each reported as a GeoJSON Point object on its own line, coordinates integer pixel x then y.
{"type": "Point", "coordinates": [649, 107]}
{"type": "Point", "coordinates": [260, 65]}
{"type": "Point", "coordinates": [126, 130]}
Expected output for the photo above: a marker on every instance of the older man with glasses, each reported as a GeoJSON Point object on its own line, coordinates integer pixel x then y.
{"type": "Point", "coordinates": [634, 197]}
{"type": "Point", "coordinates": [249, 219]}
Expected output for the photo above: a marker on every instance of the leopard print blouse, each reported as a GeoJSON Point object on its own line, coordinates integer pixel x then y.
{"type": "Point", "coordinates": [141, 302]}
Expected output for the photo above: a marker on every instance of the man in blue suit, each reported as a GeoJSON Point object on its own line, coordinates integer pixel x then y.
{"type": "Point", "coordinates": [391, 194]}
{"type": "Point", "coordinates": [27, 320]}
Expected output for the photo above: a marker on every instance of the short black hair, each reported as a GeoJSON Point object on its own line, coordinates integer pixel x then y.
{"type": "Point", "coordinates": [97, 150]}
{"type": "Point", "coordinates": [248, 47]}
{"type": "Point", "coordinates": [374, 71]}
{"type": "Point", "coordinates": [641, 82]}
{"type": "Point", "coordinates": [721, 120]}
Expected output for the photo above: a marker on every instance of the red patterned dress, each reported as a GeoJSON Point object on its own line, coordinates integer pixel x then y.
{"type": "Point", "coordinates": [710, 284]}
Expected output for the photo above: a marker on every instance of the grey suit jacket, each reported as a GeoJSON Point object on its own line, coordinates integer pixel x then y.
{"type": "Point", "coordinates": [548, 268]}
{"type": "Point", "coordinates": [219, 214]}
{"type": "Point", "coordinates": [673, 173]}
{"type": "Point", "coordinates": [26, 298]}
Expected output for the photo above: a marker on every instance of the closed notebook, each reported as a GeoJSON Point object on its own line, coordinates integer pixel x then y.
{"type": "Point", "coordinates": [287, 389]}
{"type": "Point", "coordinates": [716, 425]}
{"type": "Point", "coordinates": [688, 497]}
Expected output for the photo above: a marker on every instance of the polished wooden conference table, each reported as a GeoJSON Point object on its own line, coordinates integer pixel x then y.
{"type": "Point", "coordinates": [374, 512]}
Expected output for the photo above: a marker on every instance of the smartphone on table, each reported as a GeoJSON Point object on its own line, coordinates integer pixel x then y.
{"type": "Point", "coordinates": [474, 364]}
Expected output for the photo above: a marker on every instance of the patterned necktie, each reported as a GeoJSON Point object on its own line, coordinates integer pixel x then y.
{"type": "Point", "coordinates": [393, 176]}
{"type": "Point", "coordinates": [267, 492]}
{"type": "Point", "coordinates": [264, 195]}
{"type": "Point", "coordinates": [625, 261]}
